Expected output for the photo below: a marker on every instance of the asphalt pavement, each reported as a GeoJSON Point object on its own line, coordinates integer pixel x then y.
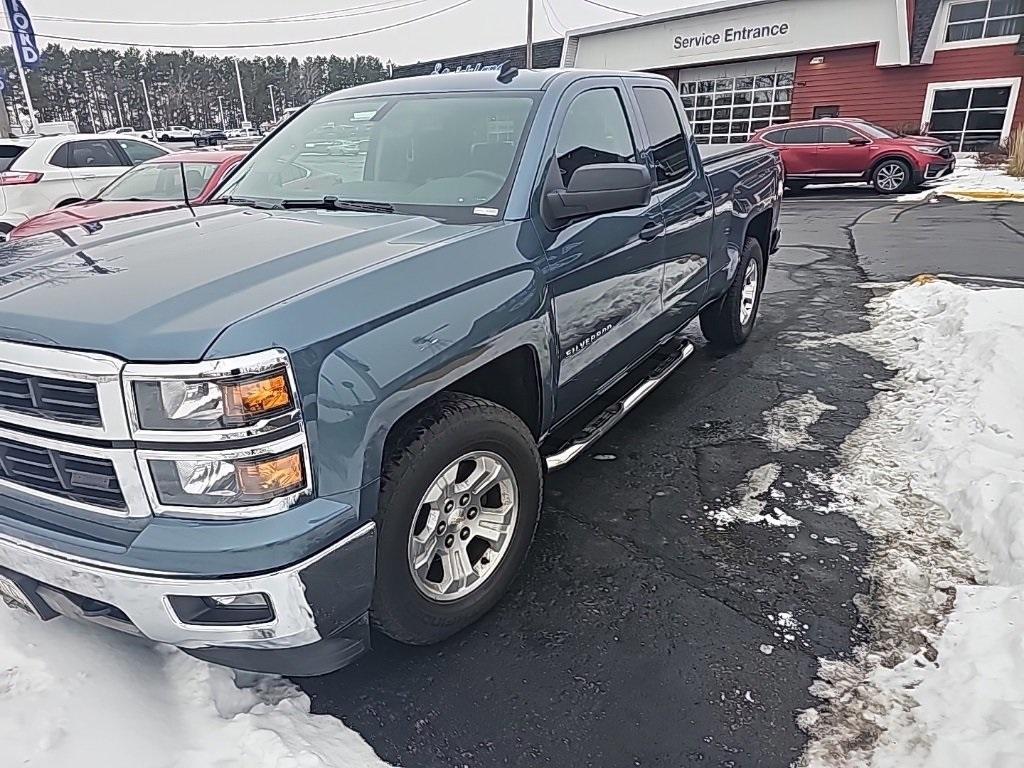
{"type": "Point", "coordinates": [639, 632]}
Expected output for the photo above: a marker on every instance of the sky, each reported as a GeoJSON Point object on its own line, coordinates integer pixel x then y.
{"type": "Point", "coordinates": [474, 25]}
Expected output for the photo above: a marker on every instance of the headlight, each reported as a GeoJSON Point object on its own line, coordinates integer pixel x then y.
{"type": "Point", "coordinates": [233, 397]}
{"type": "Point", "coordinates": [251, 481]}
{"type": "Point", "coordinates": [929, 149]}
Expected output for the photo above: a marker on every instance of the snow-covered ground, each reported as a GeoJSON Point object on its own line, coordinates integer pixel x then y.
{"type": "Point", "coordinates": [936, 475]}
{"type": "Point", "coordinates": [969, 181]}
{"type": "Point", "coordinates": [86, 697]}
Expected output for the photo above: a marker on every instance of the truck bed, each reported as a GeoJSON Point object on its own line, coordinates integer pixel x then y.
{"type": "Point", "coordinates": [725, 164]}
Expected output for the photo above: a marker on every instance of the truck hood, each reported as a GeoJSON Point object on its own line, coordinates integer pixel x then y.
{"type": "Point", "coordinates": [164, 285]}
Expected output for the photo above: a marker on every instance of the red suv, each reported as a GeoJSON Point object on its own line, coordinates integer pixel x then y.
{"type": "Point", "coordinates": [849, 149]}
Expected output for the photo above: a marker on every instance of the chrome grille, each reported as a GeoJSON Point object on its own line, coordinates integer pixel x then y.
{"type": "Point", "coordinates": [82, 479]}
{"type": "Point", "coordinates": [64, 400]}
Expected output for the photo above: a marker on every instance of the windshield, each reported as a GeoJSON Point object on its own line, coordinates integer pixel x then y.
{"type": "Point", "coordinates": [160, 181]}
{"type": "Point", "coordinates": [449, 156]}
{"type": "Point", "coordinates": [877, 131]}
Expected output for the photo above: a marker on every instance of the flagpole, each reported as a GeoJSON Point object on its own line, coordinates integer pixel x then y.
{"type": "Point", "coordinates": [21, 68]}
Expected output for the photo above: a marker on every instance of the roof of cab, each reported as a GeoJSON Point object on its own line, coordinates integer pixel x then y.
{"type": "Point", "coordinates": [482, 80]}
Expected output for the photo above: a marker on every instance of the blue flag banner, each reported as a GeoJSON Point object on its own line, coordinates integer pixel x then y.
{"type": "Point", "coordinates": [24, 35]}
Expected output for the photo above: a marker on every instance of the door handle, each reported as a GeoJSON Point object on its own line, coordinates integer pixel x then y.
{"type": "Point", "coordinates": [651, 230]}
{"type": "Point", "coordinates": [702, 207]}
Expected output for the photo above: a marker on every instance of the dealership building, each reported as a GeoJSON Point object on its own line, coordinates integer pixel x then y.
{"type": "Point", "coordinates": [953, 67]}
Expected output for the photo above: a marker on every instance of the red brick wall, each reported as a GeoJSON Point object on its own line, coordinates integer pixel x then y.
{"type": "Point", "coordinates": [892, 96]}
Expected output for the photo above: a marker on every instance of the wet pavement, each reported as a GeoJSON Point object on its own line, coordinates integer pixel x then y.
{"type": "Point", "coordinates": [642, 632]}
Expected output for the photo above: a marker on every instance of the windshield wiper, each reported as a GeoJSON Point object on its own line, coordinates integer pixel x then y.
{"type": "Point", "coordinates": [249, 202]}
{"type": "Point", "coordinates": [335, 204]}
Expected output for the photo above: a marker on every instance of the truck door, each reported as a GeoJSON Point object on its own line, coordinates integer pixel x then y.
{"type": "Point", "coordinates": [604, 272]}
{"type": "Point", "coordinates": [682, 191]}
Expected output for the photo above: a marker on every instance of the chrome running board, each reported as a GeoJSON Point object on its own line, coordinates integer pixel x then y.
{"type": "Point", "coordinates": [611, 416]}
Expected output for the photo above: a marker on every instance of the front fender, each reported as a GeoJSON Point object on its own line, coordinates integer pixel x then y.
{"type": "Point", "coordinates": [369, 382]}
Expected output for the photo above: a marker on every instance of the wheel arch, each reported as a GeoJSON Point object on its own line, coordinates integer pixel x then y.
{"type": "Point", "coordinates": [760, 228]}
{"type": "Point", "coordinates": [893, 155]}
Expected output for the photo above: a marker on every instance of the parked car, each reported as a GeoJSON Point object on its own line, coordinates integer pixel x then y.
{"type": "Point", "coordinates": [124, 129]}
{"type": "Point", "coordinates": [242, 133]}
{"type": "Point", "coordinates": [37, 174]}
{"type": "Point", "coordinates": [170, 133]}
{"type": "Point", "coordinates": [151, 186]}
{"type": "Point", "coordinates": [210, 137]}
{"type": "Point", "coordinates": [835, 150]}
{"type": "Point", "coordinates": [328, 398]}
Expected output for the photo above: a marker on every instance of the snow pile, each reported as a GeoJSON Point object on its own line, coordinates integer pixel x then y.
{"type": "Point", "coordinates": [751, 506]}
{"type": "Point", "coordinates": [786, 424]}
{"type": "Point", "coordinates": [936, 474]}
{"type": "Point", "coordinates": [76, 695]}
{"type": "Point", "coordinates": [969, 181]}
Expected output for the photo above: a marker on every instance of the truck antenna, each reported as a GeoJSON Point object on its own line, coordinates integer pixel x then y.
{"type": "Point", "coordinates": [184, 188]}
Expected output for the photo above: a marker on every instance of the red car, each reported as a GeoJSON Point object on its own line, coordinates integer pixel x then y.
{"type": "Point", "coordinates": [151, 186]}
{"type": "Point", "coordinates": [849, 149]}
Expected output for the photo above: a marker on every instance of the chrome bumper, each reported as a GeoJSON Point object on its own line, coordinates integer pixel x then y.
{"type": "Point", "coordinates": [144, 598]}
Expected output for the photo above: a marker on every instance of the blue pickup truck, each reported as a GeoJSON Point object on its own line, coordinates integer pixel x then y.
{"type": "Point", "coordinates": [327, 401]}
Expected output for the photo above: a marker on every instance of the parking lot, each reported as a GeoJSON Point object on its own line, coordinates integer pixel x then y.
{"type": "Point", "coordinates": [652, 625]}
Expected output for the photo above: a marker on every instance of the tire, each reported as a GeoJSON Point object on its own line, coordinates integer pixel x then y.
{"type": "Point", "coordinates": [408, 608]}
{"type": "Point", "coordinates": [892, 176]}
{"type": "Point", "coordinates": [165, 137]}
{"type": "Point", "coordinates": [727, 323]}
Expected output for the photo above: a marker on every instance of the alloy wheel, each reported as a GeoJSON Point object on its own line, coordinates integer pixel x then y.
{"type": "Point", "coordinates": [463, 526]}
{"type": "Point", "coordinates": [748, 293]}
{"type": "Point", "coordinates": [891, 177]}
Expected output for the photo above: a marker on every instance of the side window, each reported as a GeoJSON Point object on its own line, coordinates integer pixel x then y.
{"type": "Point", "coordinates": [595, 130]}
{"type": "Point", "coordinates": [807, 134]}
{"type": "Point", "coordinates": [836, 134]}
{"type": "Point", "coordinates": [668, 145]}
{"type": "Point", "coordinates": [92, 154]}
{"type": "Point", "coordinates": [60, 157]}
{"type": "Point", "coordinates": [138, 152]}
{"type": "Point", "coordinates": [776, 137]}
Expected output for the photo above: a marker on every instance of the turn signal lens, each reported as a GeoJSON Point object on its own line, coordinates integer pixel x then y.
{"type": "Point", "coordinates": [255, 398]}
{"type": "Point", "coordinates": [276, 476]}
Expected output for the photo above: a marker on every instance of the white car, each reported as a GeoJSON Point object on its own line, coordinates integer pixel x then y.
{"type": "Point", "coordinates": [43, 173]}
{"type": "Point", "coordinates": [122, 129]}
{"type": "Point", "coordinates": [170, 133]}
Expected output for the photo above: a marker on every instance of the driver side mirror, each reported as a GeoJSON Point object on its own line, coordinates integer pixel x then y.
{"type": "Point", "coordinates": [859, 141]}
{"type": "Point", "coordinates": [599, 188]}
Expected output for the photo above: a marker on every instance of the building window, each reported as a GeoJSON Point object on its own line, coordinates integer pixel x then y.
{"type": "Point", "coordinates": [984, 19]}
{"type": "Point", "coordinates": [971, 115]}
{"type": "Point", "coordinates": [728, 109]}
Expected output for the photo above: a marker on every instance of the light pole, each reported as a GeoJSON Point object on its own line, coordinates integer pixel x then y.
{"type": "Point", "coordinates": [120, 114]}
{"type": "Point", "coordinates": [273, 107]}
{"type": "Point", "coordinates": [241, 94]}
{"type": "Point", "coordinates": [529, 34]}
{"type": "Point", "coordinates": [220, 103]}
{"type": "Point", "coordinates": [149, 109]}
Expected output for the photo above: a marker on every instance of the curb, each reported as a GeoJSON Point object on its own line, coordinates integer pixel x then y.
{"type": "Point", "coordinates": [989, 195]}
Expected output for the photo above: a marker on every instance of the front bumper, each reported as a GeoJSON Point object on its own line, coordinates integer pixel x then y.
{"type": "Point", "coordinates": [311, 601]}
{"type": "Point", "coordinates": [935, 169]}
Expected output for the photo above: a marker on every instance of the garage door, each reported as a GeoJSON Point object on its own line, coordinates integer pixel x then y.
{"type": "Point", "coordinates": [726, 103]}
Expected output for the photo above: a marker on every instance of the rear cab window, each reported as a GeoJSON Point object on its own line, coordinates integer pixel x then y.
{"type": "Point", "coordinates": [669, 147]}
